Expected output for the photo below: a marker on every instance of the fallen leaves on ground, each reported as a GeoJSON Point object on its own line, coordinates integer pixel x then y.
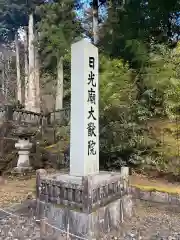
{"type": "Point", "coordinates": [15, 191]}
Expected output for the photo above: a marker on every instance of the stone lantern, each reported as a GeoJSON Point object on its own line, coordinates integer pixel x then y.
{"type": "Point", "coordinates": [24, 146]}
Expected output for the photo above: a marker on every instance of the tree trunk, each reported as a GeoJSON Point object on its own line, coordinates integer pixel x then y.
{"type": "Point", "coordinates": [26, 69]}
{"type": "Point", "coordinates": [95, 22]}
{"type": "Point", "coordinates": [18, 74]}
{"type": "Point", "coordinates": [8, 92]}
{"type": "Point", "coordinates": [59, 89]}
{"type": "Point", "coordinates": [3, 75]}
{"type": "Point", "coordinates": [37, 81]}
{"type": "Point", "coordinates": [31, 84]}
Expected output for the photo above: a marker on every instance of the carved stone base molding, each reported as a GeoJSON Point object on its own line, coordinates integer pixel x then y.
{"type": "Point", "coordinates": [22, 170]}
{"type": "Point", "coordinates": [86, 206]}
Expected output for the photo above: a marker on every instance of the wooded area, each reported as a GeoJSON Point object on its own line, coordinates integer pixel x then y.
{"type": "Point", "coordinates": [139, 70]}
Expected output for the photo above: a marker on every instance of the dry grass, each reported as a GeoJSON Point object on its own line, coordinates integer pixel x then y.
{"type": "Point", "coordinates": [157, 189]}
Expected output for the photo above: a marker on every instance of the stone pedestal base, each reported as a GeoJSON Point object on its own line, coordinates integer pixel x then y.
{"type": "Point", "coordinates": [22, 170]}
{"type": "Point", "coordinates": [23, 160]}
{"type": "Point", "coordinates": [85, 206]}
{"type": "Point", "coordinates": [24, 146]}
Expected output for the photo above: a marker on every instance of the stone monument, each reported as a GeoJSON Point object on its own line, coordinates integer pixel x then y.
{"type": "Point", "coordinates": [84, 110]}
{"type": "Point", "coordinates": [23, 145]}
{"type": "Point", "coordinates": [85, 202]}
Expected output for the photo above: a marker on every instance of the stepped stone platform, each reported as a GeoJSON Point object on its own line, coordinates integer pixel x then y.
{"type": "Point", "coordinates": [85, 206]}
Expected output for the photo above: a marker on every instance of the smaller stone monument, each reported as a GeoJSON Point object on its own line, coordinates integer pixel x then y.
{"type": "Point", "coordinates": [23, 145]}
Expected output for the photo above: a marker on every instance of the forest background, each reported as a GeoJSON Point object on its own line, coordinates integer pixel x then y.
{"type": "Point", "coordinates": [139, 70]}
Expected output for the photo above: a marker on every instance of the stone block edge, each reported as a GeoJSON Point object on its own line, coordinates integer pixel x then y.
{"type": "Point", "coordinates": [153, 194]}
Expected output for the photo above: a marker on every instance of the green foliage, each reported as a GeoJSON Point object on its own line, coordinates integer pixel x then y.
{"type": "Point", "coordinates": [58, 28]}
{"type": "Point", "coordinates": [131, 27]}
{"type": "Point", "coordinates": [121, 131]}
{"type": "Point", "coordinates": [13, 15]}
{"type": "Point", "coordinates": [116, 86]}
{"type": "Point", "coordinates": [124, 135]}
{"type": "Point", "coordinates": [139, 72]}
{"type": "Point", "coordinates": [161, 80]}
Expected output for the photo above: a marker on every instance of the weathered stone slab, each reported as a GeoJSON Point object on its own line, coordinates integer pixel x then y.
{"type": "Point", "coordinates": [178, 199]}
{"type": "Point", "coordinates": [89, 225]}
{"type": "Point", "coordinates": [127, 206]}
{"type": "Point", "coordinates": [159, 197]}
{"type": "Point", "coordinates": [144, 195]}
{"type": "Point", "coordinates": [84, 193]}
{"type": "Point", "coordinates": [155, 196]}
{"type": "Point", "coordinates": [173, 198]}
{"type": "Point", "coordinates": [87, 206]}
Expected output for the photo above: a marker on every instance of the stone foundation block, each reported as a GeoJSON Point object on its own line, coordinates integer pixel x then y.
{"type": "Point", "coordinates": [89, 226]}
{"type": "Point", "coordinates": [84, 206]}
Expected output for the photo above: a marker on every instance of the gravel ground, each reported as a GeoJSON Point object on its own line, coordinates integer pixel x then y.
{"type": "Point", "coordinates": [150, 222]}
{"type": "Point", "coordinates": [21, 229]}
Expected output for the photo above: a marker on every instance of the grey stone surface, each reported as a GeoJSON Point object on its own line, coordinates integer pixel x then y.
{"type": "Point", "coordinates": [104, 219]}
{"type": "Point", "coordinates": [159, 196]}
{"type": "Point", "coordinates": [21, 170]}
{"type": "Point", "coordinates": [156, 196]}
{"type": "Point", "coordinates": [127, 206]}
{"type": "Point", "coordinates": [84, 193]}
{"type": "Point", "coordinates": [86, 205]}
{"type": "Point", "coordinates": [145, 195]}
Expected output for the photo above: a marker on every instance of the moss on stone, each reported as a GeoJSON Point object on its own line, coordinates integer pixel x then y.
{"type": "Point", "coordinates": [157, 189]}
